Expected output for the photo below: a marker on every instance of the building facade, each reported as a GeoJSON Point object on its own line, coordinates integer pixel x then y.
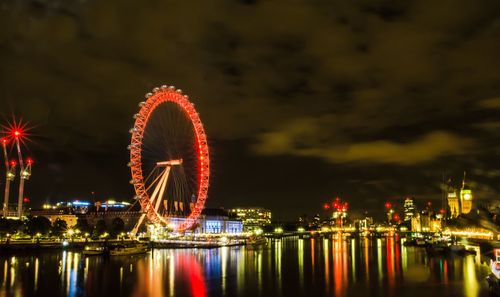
{"type": "Point", "coordinates": [453, 203]}
{"type": "Point", "coordinates": [409, 208]}
{"type": "Point", "coordinates": [252, 218]}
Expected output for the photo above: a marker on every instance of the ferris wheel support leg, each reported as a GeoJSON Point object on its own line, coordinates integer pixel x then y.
{"type": "Point", "coordinates": [138, 225]}
{"type": "Point", "coordinates": [162, 188]}
{"type": "Point", "coordinates": [157, 188]}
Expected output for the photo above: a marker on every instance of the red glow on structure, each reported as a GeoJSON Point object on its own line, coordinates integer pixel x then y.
{"type": "Point", "coordinates": [396, 217]}
{"type": "Point", "coordinates": [429, 204]}
{"type": "Point", "coordinates": [17, 133]}
{"type": "Point", "coordinates": [326, 206]}
{"type": "Point", "coordinates": [13, 163]}
{"type": "Point", "coordinates": [29, 161]}
{"type": "Point", "coordinates": [388, 205]}
{"type": "Point", "coordinates": [442, 211]}
{"type": "Point", "coordinates": [16, 130]}
{"type": "Point", "coordinates": [159, 97]}
{"type": "Point", "coordinates": [26, 200]}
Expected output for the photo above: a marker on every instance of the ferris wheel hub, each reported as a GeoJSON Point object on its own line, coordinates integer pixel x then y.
{"type": "Point", "coordinates": [169, 163]}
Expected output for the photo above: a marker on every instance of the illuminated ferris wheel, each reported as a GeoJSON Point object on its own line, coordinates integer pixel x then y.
{"type": "Point", "coordinates": [169, 160]}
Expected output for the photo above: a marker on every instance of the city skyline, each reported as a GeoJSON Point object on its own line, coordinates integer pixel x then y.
{"type": "Point", "coordinates": [369, 101]}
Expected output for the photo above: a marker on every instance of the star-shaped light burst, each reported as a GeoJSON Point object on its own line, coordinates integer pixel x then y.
{"type": "Point", "coordinates": [16, 130]}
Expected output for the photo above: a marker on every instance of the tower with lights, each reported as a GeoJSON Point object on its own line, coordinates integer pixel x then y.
{"type": "Point", "coordinates": [453, 202]}
{"type": "Point", "coordinates": [465, 197]}
{"type": "Point", "coordinates": [409, 208]}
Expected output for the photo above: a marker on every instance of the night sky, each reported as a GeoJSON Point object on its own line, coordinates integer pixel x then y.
{"type": "Point", "coordinates": [301, 100]}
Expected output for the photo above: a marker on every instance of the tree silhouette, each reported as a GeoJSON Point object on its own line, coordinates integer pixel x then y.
{"type": "Point", "coordinates": [38, 224]}
{"type": "Point", "coordinates": [117, 227]}
{"type": "Point", "coordinates": [100, 228]}
{"type": "Point", "coordinates": [59, 227]}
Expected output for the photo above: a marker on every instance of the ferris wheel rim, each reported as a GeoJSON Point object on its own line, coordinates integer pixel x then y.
{"type": "Point", "coordinates": [153, 100]}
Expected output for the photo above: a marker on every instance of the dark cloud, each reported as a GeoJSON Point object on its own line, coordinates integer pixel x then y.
{"type": "Point", "coordinates": [346, 87]}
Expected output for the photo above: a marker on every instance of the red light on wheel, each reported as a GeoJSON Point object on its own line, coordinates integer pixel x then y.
{"type": "Point", "coordinates": [17, 133]}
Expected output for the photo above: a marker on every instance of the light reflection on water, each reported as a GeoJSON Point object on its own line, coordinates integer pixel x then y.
{"type": "Point", "coordinates": [288, 267]}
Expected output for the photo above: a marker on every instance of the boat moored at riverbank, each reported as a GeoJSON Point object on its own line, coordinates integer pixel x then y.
{"type": "Point", "coordinates": [125, 250]}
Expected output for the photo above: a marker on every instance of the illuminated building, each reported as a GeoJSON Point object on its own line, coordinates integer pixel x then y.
{"type": "Point", "coordinates": [210, 221]}
{"type": "Point", "coordinates": [366, 223]}
{"type": "Point", "coordinates": [453, 203]}
{"type": "Point", "coordinates": [217, 225]}
{"type": "Point", "coordinates": [426, 221]}
{"type": "Point", "coordinates": [252, 218]}
{"type": "Point", "coordinates": [435, 225]}
{"type": "Point", "coordinates": [409, 209]}
{"type": "Point", "coordinates": [219, 220]}
{"type": "Point", "coordinates": [92, 213]}
{"type": "Point", "coordinates": [460, 202]}
{"type": "Point", "coordinates": [339, 214]}
{"type": "Point", "coordinates": [415, 223]}
{"type": "Point", "coordinates": [465, 198]}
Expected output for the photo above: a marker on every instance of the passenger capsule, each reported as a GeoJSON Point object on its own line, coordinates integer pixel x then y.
{"type": "Point", "coordinates": [148, 95]}
{"type": "Point", "coordinates": [141, 104]}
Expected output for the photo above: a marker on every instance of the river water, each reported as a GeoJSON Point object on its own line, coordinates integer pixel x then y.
{"type": "Point", "coordinates": [287, 267]}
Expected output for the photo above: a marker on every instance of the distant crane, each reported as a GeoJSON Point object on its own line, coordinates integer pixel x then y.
{"type": "Point", "coordinates": [10, 174]}
{"type": "Point", "coordinates": [16, 133]}
{"type": "Point", "coordinates": [24, 171]}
